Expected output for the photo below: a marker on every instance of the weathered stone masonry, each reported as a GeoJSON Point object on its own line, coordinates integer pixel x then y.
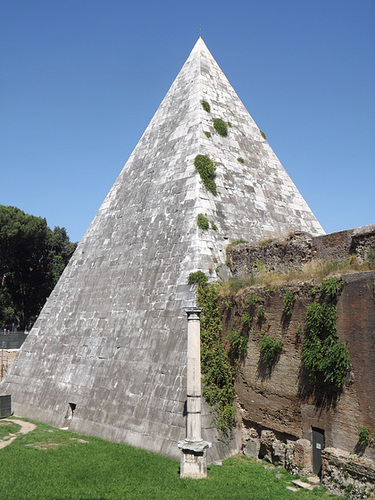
{"type": "Point", "coordinates": [111, 339]}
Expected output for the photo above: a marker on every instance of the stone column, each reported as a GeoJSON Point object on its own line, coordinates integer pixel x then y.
{"type": "Point", "coordinates": [193, 458]}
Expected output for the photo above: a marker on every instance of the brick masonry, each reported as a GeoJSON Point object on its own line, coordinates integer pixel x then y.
{"type": "Point", "coordinates": [277, 402]}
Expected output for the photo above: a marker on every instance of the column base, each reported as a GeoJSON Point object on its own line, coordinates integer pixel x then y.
{"type": "Point", "coordinates": [193, 459]}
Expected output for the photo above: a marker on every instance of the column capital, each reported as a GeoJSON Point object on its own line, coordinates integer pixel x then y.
{"type": "Point", "coordinates": [193, 312]}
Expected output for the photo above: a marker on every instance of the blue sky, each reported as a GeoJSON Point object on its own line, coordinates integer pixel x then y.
{"type": "Point", "coordinates": [81, 79]}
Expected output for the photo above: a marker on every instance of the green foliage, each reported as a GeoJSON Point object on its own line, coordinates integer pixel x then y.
{"type": "Point", "coordinates": [247, 319]}
{"type": "Point", "coordinates": [270, 349]}
{"type": "Point", "coordinates": [238, 344]}
{"type": "Point", "coordinates": [364, 436]}
{"type": "Point", "coordinates": [32, 258]}
{"type": "Point", "coordinates": [326, 359]}
{"type": "Point", "coordinates": [330, 288]}
{"type": "Point", "coordinates": [263, 134]}
{"type": "Point", "coordinates": [203, 222]}
{"type": "Point", "coordinates": [229, 124]}
{"type": "Point", "coordinates": [288, 298]}
{"type": "Point", "coordinates": [252, 300]}
{"type": "Point", "coordinates": [197, 278]}
{"type": "Point", "coordinates": [261, 314]}
{"type": "Point", "coordinates": [228, 304]}
{"type": "Point", "coordinates": [240, 160]}
{"type": "Point", "coordinates": [206, 106]}
{"type": "Point", "coordinates": [237, 242]}
{"type": "Point", "coordinates": [218, 371]}
{"type": "Point", "coordinates": [221, 127]}
{"type": "Point", "coordinates": [206, 170]}
{"type": "Point", "coordinates": [321, 320]}
{"type": "Point", "coordinates": [207, 134]}
{"type": "Point", "coordinates": [213, 226]}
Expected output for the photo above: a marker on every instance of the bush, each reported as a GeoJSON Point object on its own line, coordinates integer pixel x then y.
{"type": "Point", "coordinates": [197, 278]}
{"type": "Point", "coordinates": [330, 288]}
{"type": "Point", "coordinates": [326, 359]}
{"type": "Point", "coordinates": [270, 349]}
{"type": "Point", "coordinates": [206, 106]}
{"type": "Point", "coordinates": [252, 300]}
{"type": "Point", "coordinates": [221, 127]}
{"type": "Point", "coordinates": [206, 170]}
{"type": "Point", "coordinates": [288, 299]}
{"type": "Point", "coordinates": [238, 344]}
{"type": "Point", "coordinates": [364, 436]}
{"type": "Point", "coordinates": [247, 319]}
{"type": "Point", "coordinates": [261, 314]}
{"type": "Point", "coordinates": [202, 222]}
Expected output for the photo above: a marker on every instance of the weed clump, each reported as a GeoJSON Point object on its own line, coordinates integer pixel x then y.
{"type": "Point", "coordinates": [221, 127]}
{"type": "Point", "coordinates": [197, 278]}
{"type": "Point", "coordinates": [324, 356]}
{"type": "Point", "coordinates": [206, 106]}
{"type": "Point", "coordinates": [206, 170]}
{"type": "Point", "coordinates": [270, 350]}
{"type": "Point", "coordinates": [202, 222]}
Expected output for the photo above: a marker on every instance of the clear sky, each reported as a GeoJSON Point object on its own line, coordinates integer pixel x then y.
{"type": "Point", "coordinates": [81, 79]}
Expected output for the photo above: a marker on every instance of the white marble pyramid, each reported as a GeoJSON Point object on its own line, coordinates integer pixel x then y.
{"type": "Point", "coordinates": [110, 343]}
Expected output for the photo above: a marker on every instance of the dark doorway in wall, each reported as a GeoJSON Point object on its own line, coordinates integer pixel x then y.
{"type": "Point", "coordinates": [69, 415]}
{"type": "Point", "coordinates": [318, 445]}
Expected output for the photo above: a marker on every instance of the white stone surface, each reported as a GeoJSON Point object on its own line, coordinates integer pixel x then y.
{"type": "Point", "coordinates": [112, 336]}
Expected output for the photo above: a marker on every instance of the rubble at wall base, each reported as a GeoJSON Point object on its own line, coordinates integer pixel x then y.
{"type": "Point", "coordinates": [343, 473]}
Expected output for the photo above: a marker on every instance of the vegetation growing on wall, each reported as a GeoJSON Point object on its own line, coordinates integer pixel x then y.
{"type": "Point", "coordinates": [288, 298]}
{"type": "Point", "coordinates": [197, 278]}
{"type": "Point", "coordinates": [206, 106]}
{"type": "Point", "coordinates": [230, 316]}
{"type": "Point", "coordinates": [270, 350]}
{"type": "Point", "coordinates": [263, 134]}
{"type": "Point", "coordinates": [221, 127]}
{"type": "Point", "coordinates": [207, 134]}
{"type": "Point", "coordinates": [217, 367]}
{"type": "Point", "coordinates": [206, 170]}
{"type": "Point", "coordinates": [240, 160]}
{"type": "Point", "coordinates": [364, 436]}
{"type": "Point", "coordinates": [203, 222]}
{"type": "Point", "coordinates": [325, 358]}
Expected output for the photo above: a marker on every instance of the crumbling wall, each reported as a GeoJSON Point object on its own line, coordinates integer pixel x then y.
{"type": "Point", "coordinates": [347, 473]}
{"type": "Point", "coordinates": [279, 401]}
{"type": "Point", "coordinates": [282, 254]}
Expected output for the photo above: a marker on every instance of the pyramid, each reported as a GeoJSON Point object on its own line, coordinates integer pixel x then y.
{"type": "Point", "coordinates": [109, 347]}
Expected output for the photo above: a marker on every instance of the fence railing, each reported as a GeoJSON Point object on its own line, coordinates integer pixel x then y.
{"type": "Point", "coordinates": [12, 340]}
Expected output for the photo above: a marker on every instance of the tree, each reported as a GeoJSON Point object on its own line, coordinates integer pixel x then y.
{"type": "Point", "coordinates": [32, 258]}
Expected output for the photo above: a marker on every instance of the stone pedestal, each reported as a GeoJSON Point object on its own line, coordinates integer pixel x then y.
{"type": "Point", "coordinates": [193, 458]}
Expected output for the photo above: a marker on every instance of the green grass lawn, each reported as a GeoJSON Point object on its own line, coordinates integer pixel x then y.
{"type": "Point", "coordinates": [49, 463]}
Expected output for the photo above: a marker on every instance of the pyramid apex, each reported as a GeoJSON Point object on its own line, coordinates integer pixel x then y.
{"type": "Point", "coordinates": [200, 45]}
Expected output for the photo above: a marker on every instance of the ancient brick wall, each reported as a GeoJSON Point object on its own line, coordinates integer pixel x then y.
{"type": "Point", "coordinates": [281, 254]}
{"type": "Point", "coordinates": [278, 401]}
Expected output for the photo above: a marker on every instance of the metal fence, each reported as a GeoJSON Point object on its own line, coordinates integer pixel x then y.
{"type": "Point", "coordinates": [12, 340]}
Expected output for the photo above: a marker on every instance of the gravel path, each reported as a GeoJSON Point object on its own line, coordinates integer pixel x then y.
{"type": "Point", "coordinates": [25, 428]}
